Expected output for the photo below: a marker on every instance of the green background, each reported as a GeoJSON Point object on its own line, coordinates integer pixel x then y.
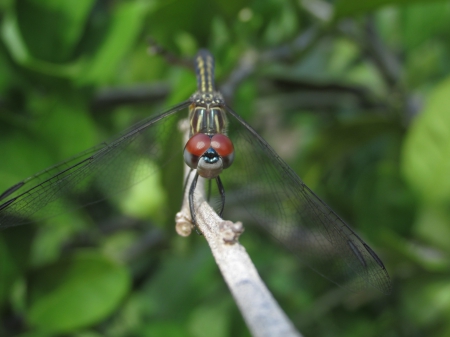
{"type": "Point", "coordinates": [354, 95]}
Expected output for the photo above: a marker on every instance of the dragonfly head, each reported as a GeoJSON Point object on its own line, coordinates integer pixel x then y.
{"type": "Point", "coordinates": [209, 154]}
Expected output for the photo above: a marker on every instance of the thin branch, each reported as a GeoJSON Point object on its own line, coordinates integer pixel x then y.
{"type": "Point", "coordinates": [245, 68]}
{"type": "Point", "coordinates": [155, 48]}
{"type": "Point", "coordinates": [249, 61]}
{"type": "Point", "coordinates": [316, 95]}
{"type": "Point", "coordinates": [295, 49]}
{"type": "Point", "coordinates": [383, 58]}
{"type": "Point", "coordinates": [261, 312]}
{"type": "Point", "coordinates": [110, 98]}
{"type": "Point", "coordinates": [374, 49]}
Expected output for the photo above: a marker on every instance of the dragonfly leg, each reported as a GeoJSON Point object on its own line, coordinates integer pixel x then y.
{"type": "Point", "coordinates": [191, 202]}
{"type": "Point", "coordinates": [186, 181]}
{"type": "Point", "coordinates": [222, 193]}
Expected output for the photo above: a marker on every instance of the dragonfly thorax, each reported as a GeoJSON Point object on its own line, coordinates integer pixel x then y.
{"type": "Point", "coordinates": [207, 118]}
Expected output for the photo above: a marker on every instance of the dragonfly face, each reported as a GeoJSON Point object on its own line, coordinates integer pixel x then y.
{"type": "Point", "coordinates": [209, 154]}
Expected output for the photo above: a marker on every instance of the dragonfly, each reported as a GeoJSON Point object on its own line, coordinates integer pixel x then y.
{"type": "Point", "coordinates": [221, 147]}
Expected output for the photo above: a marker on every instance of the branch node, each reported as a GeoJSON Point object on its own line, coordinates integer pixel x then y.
{"type": "Point", "coordinates": [231, 231]}
{"type": "Point", "coordinates": [183, 224]}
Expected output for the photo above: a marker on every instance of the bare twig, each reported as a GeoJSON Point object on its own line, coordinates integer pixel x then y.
{"type": "Point", "coordinates": [261, 312]}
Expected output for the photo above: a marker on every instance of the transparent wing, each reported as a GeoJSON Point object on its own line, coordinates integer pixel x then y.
{"type": "Point", "coordinates": [111, 167]}
{"type": "Point", "coordinates": [276, 198]}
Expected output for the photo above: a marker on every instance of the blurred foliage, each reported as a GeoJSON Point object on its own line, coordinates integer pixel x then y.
{"type": "Point", "coordinates": [355, 95]}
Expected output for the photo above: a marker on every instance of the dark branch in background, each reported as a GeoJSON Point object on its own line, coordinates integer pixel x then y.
{"type": "Point", "coordinates": [251, 60]}
{"type": "Point", "coordinates": [382, 57]}
{"type": "Point", "coordinates": [391, 69]}
{"type": "Point", "coordinates": [244, 69]}
{"type": "Point", "coordinates": [303, 94]}
{"type": "Point", "coordinates": [247, 65]}
{"type": "Point", "coordinates": [373, 49]}
{"type": "Point", "coordinates": [310, 95]}
{"type": "Point", "coordinates": [156, 49]}
{"type": "Point", "coordinates": [142, 246]}
{"type": "Point", "coordinates": [328, 95]}
{"type": "Point", "coordinates": [295, 49]}
{"type": "Point", "coordinates": [110, 98]}
{"type": "Point", "coordinates": [389, 66]}
{"type": "Point", "coordinates": [147, 239]}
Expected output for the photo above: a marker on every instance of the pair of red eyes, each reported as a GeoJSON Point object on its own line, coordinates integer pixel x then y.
{"type": "Point", "coordinates": [199, 143]}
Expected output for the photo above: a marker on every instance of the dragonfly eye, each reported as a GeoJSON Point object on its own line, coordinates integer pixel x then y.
{"type": "Point", "coordinates": [224, 147]}
{"type": "Point", "coordinates": [195, 147]}
{"type": "Point", "coordinates": [198, 144]}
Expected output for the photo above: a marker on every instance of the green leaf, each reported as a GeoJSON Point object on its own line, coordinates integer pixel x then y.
{"type": "Point", "coordinates": [382, 201]}
{"type": "Point", "coordinates": [145, 195]}
{"type": "Point", "coordinates": [35, 334]}
{"type": "Point", "coordinates": [426, 150]}
{"type": "Point", "coordinates": [18, 50]}
{"type": "Point", "coordinates": [357, 7]}
{"type": "Point", "coordinates": [75, 292]}
{"type": "Point", "coordinates": [126, 26]}
{"type": "Point", "coordinates": [14, 252]}
{"type": "Point", "coordinates": [190, 18]}
{"type": "Point", "coordinates": [13, 39]}
{"type": "Point", "coordinates": [88, 334]}
{"type": "Point", "coordinates": [432, 226]}
{"type": "Point", "coordinates": [163, 328]}
{"type": "Point", "coordinates": [66, 127]}
{"type": "Point", "coordinates": [340, 139]}
{"type": "Point", "coordinates": [178, 283]}
{"type": "Point", "coordinates": [34, 156]}
{"type": "Point", "coordinates": [423, 21]}
{"type": "Point", "coordinates": [432, 294]}
{"type": "Point", "coordinates": [51, 29]}
{"type": "Point", "coordinates": [211, 320]}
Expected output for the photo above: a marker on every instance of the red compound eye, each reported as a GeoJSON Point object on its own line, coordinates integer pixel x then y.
{"type": "Point", "coordinates": [198, 144]}
{"type": "Point", "coordinates": [222, 144]}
